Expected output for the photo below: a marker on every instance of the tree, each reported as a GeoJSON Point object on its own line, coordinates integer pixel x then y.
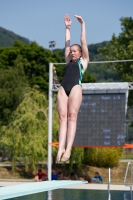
{"type": "Point", "coordinates": [87, 78]}
{"type": "Point", "coordinates": [35, 60]}
{"type": "Point", "coordinates": [26, 135]}
{"type": "Point", "coordinates": [121, 48]}
{"type": "Point", "coordinates": [12, 88]}
{"type": "Point", "coordinates": [77, 156]}
{"type": "Point", "coordinates": [104, 157]}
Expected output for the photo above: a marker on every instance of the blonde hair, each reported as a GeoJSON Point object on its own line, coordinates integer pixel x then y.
{"type": "Point", "coordinates": [79, 47]}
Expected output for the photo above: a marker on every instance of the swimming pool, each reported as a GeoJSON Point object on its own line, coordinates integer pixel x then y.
{"type": "Point", "coordinates": [77, 194]}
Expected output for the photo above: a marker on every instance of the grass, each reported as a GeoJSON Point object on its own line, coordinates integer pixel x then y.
{"type": "Point", "coordinates": [20, 173]}
{"type": "Point", "coordinates": [117, 173]}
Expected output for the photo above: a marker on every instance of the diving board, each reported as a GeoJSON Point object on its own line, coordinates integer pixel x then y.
{"type": "Point", "coordinates": [32, 188]}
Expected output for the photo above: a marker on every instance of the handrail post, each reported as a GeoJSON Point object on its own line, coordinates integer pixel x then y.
{"type": "Point", "coordinates": [50, 121]}
{"type": "Point", "coordinates": [109, 195]}
{"type": "Point", "coordinates": [126, 173]}
{"type": "Point", "coordinates": [131, 178]}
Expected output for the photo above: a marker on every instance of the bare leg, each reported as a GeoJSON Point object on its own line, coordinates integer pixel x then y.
{"type": "Point", "coordinates": [74, 102]}
{"type": "Point", "coordinates": [62, 101]}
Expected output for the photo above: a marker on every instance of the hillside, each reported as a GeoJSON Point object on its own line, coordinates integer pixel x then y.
{"type": "Point", "coordinates": [7, 38]}
{"type": "Point", "coordinates": [101, 72]}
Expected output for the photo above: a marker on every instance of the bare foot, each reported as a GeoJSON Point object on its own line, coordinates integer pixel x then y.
{"type": "Point", "coordinates": [66, 155]}
{"type": "Point", "coordinates": [60, 153]}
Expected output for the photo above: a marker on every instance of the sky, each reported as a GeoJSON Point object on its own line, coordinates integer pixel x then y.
{"type": "Point", "coordinates": [43, 20]}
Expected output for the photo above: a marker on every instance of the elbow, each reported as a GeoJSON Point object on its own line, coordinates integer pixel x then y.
{"type": "Point", "coordinates": [83, 40]}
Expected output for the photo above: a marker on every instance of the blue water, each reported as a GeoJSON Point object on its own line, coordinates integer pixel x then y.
{"type": "Point", "coordinates": [71, 194]}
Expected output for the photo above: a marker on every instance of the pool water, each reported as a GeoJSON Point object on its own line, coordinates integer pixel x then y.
{"type": "Point", "coordinates": [76, 194]}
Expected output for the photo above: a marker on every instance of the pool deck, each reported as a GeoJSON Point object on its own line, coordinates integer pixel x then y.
{"type": "Point", "coordinates": [90, 186]}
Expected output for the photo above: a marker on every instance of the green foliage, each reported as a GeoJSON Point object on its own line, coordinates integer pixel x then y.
{"type": "Point", "coordinates": [55, 130]}
{"type": "Point", "coordinates": [100, 75]}
{"type": "Point", "coordinates": [23, 112]}
{"type": "Point", "coordinates": [26, 135]}
{"type": "Point", "coordinates": [7, 38]}
{"type": "Point", "coordinates": [102, 157]}
{"type": "Point", "coordinates": [87, 78]}
{"type": "Point", "coordinates": [77, 155]}
{"type": "Point", "coordinates": [101, 72]}
{"type": "Point", "coordinates": [12, 88]}
{"type": "Point", "coordinates": [121, 48]}
{"type": "Point", "coordinates": [94, 53]}
{"type": "Point", "coordinates": [35, 60]}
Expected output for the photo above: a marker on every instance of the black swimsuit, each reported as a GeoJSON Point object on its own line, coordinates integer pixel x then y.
{"type": "Point", "coordinates": [73, 76]}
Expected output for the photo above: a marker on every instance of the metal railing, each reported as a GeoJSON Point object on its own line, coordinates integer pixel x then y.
{"type": "Point", "coordinates": [109, 195]}
{"type": "Point", "coordinates": [131, 176]}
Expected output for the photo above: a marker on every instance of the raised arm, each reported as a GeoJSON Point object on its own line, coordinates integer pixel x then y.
{"type": "Point", "coordinates": [85, 53]}
{"type": "Point", "coordinates": [68, 23]}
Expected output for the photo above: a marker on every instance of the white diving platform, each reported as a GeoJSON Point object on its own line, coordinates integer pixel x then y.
{"type": "Point", "coordinates": [36, 187]}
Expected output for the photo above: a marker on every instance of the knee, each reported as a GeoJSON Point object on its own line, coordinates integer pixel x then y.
{"type": "Point", "coordinates": [62, 117]}
{"type": "Point", "coordinates": [72, 117]}
{"type": "Point", "coordinates": [36, 178]}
